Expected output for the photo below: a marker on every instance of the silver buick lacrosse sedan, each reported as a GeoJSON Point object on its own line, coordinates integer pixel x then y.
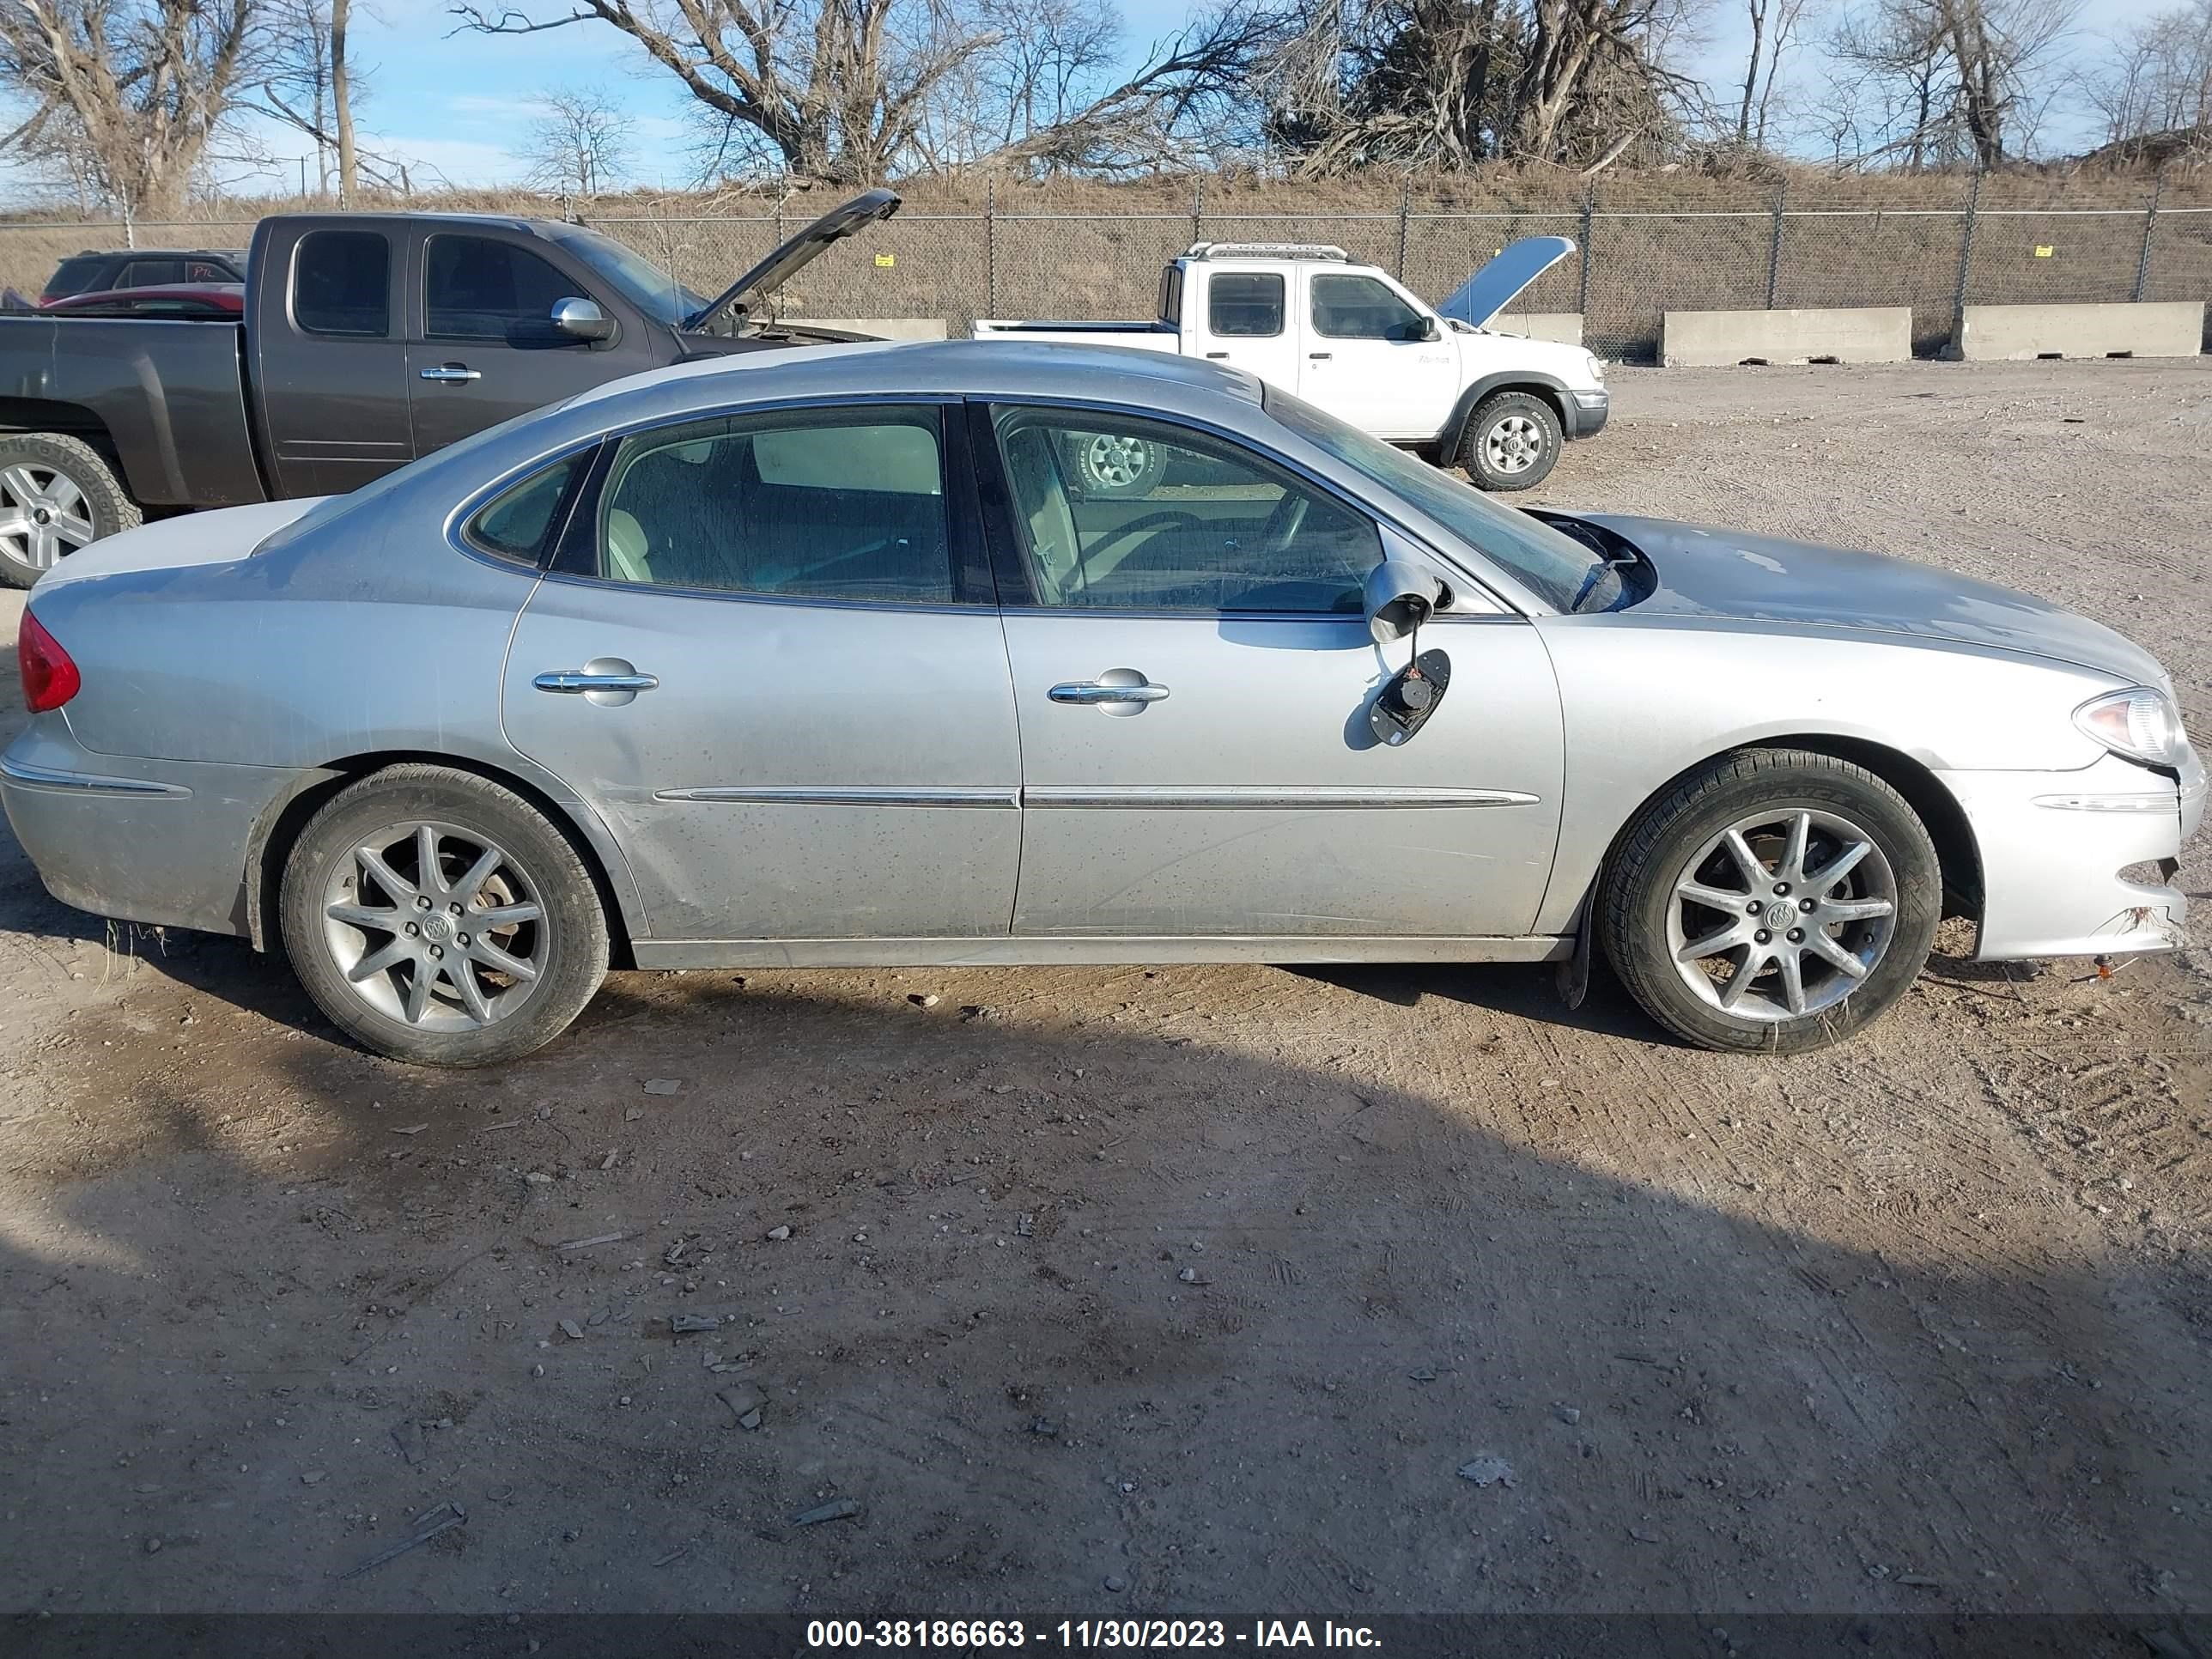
{"type": "Point", "coordinates": [833, 657]}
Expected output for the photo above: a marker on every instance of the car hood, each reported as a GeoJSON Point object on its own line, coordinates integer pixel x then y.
{"type": "Point", "coordinates": [1706, 571]}
{"type": "Point", "coordinates": [1499, 283]}
{"type": "Point", "coordinates": [744, 297]}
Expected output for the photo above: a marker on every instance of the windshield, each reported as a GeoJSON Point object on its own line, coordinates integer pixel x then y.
{"type": "Point", "coordinates": [633, 276]}
{"type": "Point", "coordinates": [1556, 568]}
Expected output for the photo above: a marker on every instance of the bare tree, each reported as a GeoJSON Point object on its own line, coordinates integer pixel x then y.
{"type": "Point", "coordinates": [2155, 92]}
{"type": "Point", "coordinates": [134, 89]}
{"type": "Point", "coordinates": [1452, 82]}
{"type": "Point", "coordinates": [833, 89]}
{"type": "Point", "coordinates": [579, 142]}
{"type": "Point", "coordinates": [1936, 81]}
{"type": "Point", "coordinates": [1773, 31]}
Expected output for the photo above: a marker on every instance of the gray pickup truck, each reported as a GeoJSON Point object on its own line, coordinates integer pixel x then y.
{"type": "Point", "coordinates": [368, 339]}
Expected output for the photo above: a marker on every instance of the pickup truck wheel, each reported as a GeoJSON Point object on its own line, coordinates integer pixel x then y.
{"type": "Point", "coordinates": [1512, 442]}
{"type": "Point", "coordinates": [1115, 462]}
{"type": "Point", "coordinates": [56, 494]}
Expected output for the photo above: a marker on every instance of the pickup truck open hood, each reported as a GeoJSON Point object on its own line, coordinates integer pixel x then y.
{"type": "Point", "coordinates": [744, 297]}
{"type": "Point", "coordinates": [1705, 571]}
{"type": "Point", "coordinates": [1499, 283]}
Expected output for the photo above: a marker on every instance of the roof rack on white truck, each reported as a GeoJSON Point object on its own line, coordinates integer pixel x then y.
{"type": "Point", "coordinates": [1266, 250]}
{"type": "Point", "coordinates": [1310, 319]}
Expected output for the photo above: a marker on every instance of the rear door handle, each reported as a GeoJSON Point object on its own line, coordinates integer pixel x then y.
{"type": "Point", "coordinates": [453, 374]}
{"type": "Point", "coordinates": [1215, 356]}
{"type": "Point", "coordinates": [1317, 356]}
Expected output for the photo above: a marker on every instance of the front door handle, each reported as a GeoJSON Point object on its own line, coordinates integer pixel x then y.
{"type": "Point", "coordinates": [1317, 356]}
{"type": "Point", "coordinates": [1118, 691]}
{"type": "Point", "coordinates": [453, 374]}
{"type": "Point", "coordinates": [578, 679]}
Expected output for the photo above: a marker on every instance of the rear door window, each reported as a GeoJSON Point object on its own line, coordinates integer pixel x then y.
{"type": "Point", "coordinates": [815, 504]}
{"type": "Point", "coordinates": [1245, 304]}
{"type": "Point", "coordinates": [151, 273]}
{"type": "Point", "coordinates": [341, 283]}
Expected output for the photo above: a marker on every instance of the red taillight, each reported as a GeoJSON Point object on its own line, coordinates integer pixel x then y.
{"type": "Point", "coordinates": [50, 678]}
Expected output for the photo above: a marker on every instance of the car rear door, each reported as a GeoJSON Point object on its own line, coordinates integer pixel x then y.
{"type": "Point", "coordinates": [329, 363]}
{"type": "Point", "coordinates": [485, 347]}
{"type": "Point", "coordinates": [771, 658]}
{"type": "Point", "coordinates": [1192, 669]}
{"type": "Point", "coordinates": [1244, 318]}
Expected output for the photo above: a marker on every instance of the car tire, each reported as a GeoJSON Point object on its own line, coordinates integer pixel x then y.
{"type": "Point", "coordinates": [1512, 441]}
{"type": "Point", "coordinates": [68, 481]}
{"type": "Point", "coordinates": [400, 982]}
{"type": "Point", "coordinates": [1682, 918]}
{"type": "Point", "coordinates": [1114, 463]}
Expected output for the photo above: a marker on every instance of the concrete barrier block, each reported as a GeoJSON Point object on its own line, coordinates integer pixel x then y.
{"type": "Point", "coordinates": [880, 328]}
{"type": "Point", "coordinates": [1717, 339]}
{"type": "Point", "coordinates": [1992, 333]}
{"type": "Point", "coordinates": [1565, 327]}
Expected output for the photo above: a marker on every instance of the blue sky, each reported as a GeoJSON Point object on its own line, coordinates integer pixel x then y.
{"type": "Point", "coordinates": [456, 107]}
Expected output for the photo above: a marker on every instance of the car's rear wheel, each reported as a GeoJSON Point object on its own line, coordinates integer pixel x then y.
{"type": "Point", "coordinates": [1512, 441]}
{"type": "Point", "coordinates": [56, 493]}
{"type": "Point", "coordinates": [1775, 900]}
{"type": "Point", "coordinates": [439, 918]}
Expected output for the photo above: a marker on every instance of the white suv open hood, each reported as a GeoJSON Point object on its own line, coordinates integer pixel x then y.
{"type": "Point", "coordinates": [1499, 283]}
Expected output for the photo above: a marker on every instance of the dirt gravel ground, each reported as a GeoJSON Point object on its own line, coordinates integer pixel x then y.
{"type": "Point", "coordinates": [1116, 1292]}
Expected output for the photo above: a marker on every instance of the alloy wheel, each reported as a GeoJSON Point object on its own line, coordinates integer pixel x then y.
{"type": "Point", "coordinates": [1783, 913]}
{"type": "Point", "coordinates": [436, 926]}
{"type": "Point", "coordinates": [44, 516]}
{"type": "Point", "coordinates": [1513, 444]}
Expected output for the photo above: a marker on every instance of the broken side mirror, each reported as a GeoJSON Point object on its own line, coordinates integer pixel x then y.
{"type": "Point", "coordinates": [1401, 594]}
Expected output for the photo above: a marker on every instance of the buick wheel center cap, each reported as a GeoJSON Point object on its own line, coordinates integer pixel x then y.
{"type": "Point", "coordinates": [1779, 913]}
{"type": "Point", "coordinates": [436, 929]}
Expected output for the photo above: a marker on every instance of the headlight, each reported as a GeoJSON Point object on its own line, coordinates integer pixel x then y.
{"type": "Point", "coordinates": [2140, 723]}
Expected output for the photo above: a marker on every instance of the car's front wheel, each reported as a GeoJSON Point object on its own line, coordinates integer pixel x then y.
{"type": "Point", "coordinates": [438, 917]}
{"type": "Point", "coordinates": [1775, 900]}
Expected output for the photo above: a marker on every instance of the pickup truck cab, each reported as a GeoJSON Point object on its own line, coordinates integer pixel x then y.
{"type": "Point", "coordinates": [1360, 344]}
{"type": "Point", "coordinates": [367, 339]}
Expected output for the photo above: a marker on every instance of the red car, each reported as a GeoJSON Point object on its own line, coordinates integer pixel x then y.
{"type": "Point", "coordinates": [223, 302]}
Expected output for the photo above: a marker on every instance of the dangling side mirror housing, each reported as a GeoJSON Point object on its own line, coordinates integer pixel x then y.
{"type": "Point", "coordinates": [1399, 597]}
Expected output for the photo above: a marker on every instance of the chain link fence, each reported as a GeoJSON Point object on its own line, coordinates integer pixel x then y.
{"type": "Point", "coordinates": [1647, 244]}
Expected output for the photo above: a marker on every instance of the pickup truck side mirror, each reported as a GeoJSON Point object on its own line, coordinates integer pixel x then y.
{"type": "Point", "coordinates": [1430, 330]}
{"type": "Point", "coordinates": [581, 319]}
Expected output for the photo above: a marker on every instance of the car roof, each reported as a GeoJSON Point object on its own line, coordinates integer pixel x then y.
{"type": "Point", "coordinates": [982, 369]}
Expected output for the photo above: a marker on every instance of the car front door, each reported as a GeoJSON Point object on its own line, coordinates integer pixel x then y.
{"type": "Point", "coordinates": [769, 657]}
{"type": "Point", "coordinates": [1192, 669]}
{"type": "Point", "coordinates": [1370, 358]}
{"type": "Point", "coordinates": [486, 348]}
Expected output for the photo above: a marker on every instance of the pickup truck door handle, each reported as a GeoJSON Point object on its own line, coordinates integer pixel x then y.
{"type": "Point", "coordinates": [453, 374]}
{"type": "Point", "coordinates": [579, 680]}
{"type": "Point", "coordinates": [1217, 355]}
{"type": "Point", "coordinates": [1311, 356]}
